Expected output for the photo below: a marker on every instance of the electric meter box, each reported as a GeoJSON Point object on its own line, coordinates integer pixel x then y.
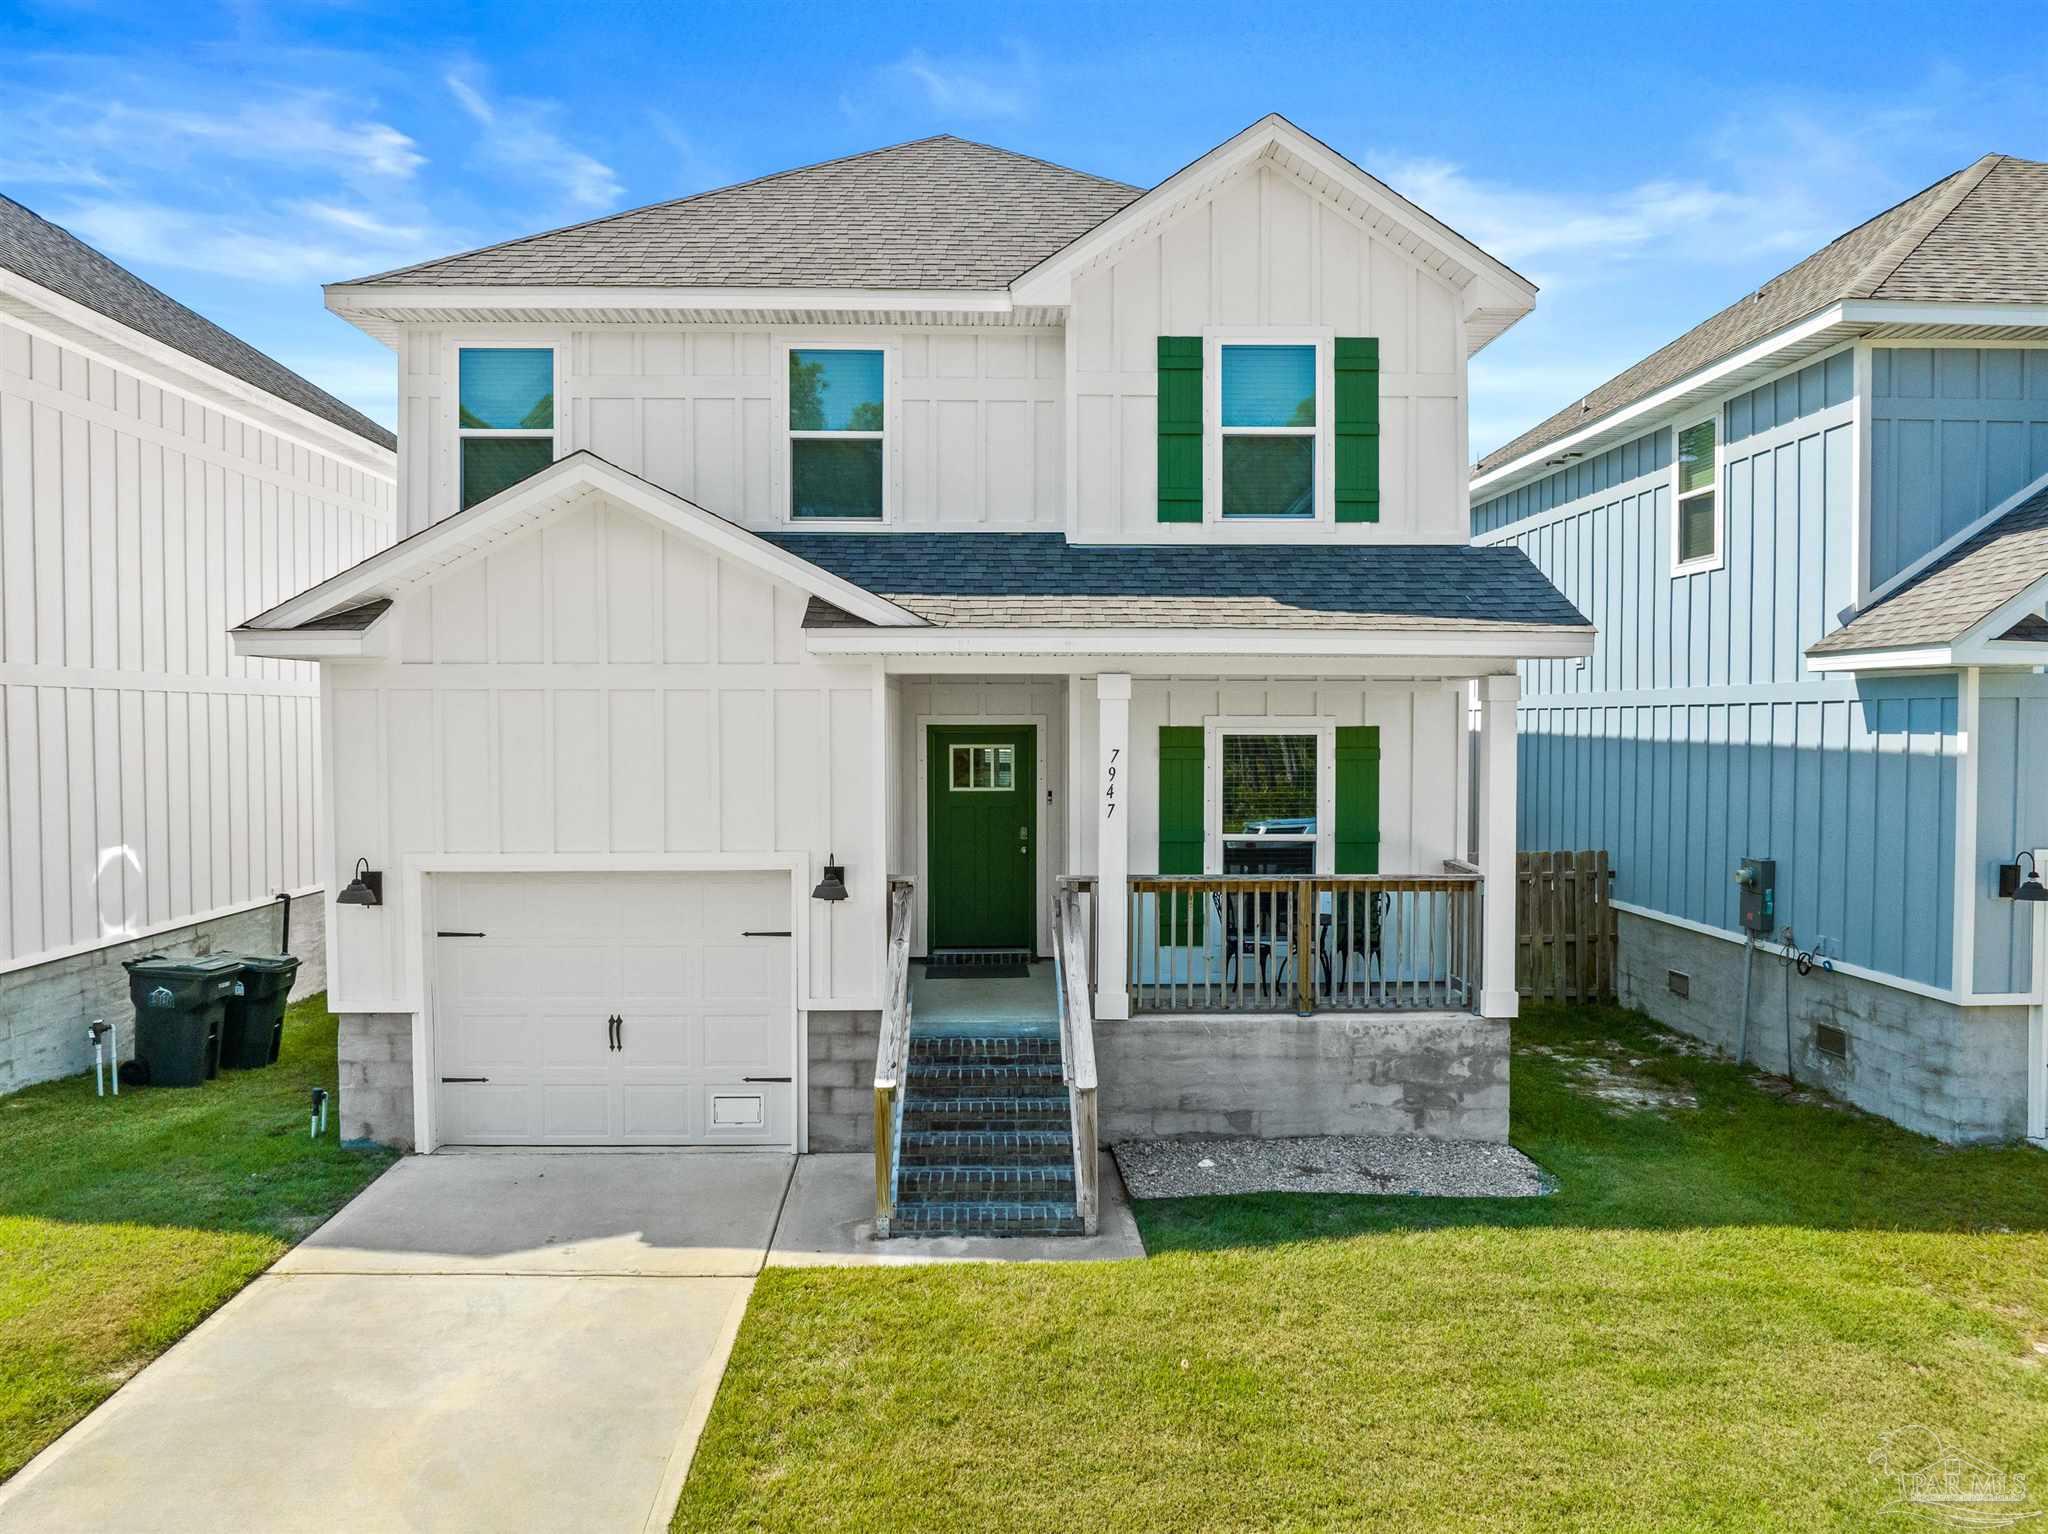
{"type": "Point", "coordinates": [1758, 880]}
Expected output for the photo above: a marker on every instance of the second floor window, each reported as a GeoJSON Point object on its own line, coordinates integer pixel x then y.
{"type": "Point", "coordinates": [1269, 431]}
{"type": "Point", "coordinates": [1698, 539]}
{"type": "Point", "coordinates": [836, 458]}
{"type": "Point", "coordinates": [506, 416]}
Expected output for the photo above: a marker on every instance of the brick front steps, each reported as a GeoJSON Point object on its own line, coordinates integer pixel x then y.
{"type": "Point", "coordinates": [986, 1147]}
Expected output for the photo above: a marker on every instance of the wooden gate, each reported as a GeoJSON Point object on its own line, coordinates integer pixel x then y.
{"type": "Point", "coordinates": [1564, 926]}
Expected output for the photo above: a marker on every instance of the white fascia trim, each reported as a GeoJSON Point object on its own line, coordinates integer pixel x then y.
{"type": "Point", "coordinates": [1663, 401]}
{"type": "Point", "coordinates": [1884, 311]}
{"type": "Point", "coordinates": [70, 323]}
{"type": "Point", "coordinates": [1506, 644]}
{"type": "Point", "coordinates": [582, 468]}
{"type": "Point", "coordinates": [352, 300]}
{"type": "Point", "coordinates": [1051, 281]}
{"type": "Point", "coordinates": [1912, 658]}
{"type": "Point", "coordinates": [1949, 545]}
{"type": "Point", "coordinates": [1867, 312]}
{"type": "Point", "coordinates": [1840, 966]}
{"type": "Point", "coordinates": [294, 644]}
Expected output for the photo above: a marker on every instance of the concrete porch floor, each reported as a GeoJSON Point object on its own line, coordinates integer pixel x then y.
{"type": "Point", "coordinates": [1025, 1008]}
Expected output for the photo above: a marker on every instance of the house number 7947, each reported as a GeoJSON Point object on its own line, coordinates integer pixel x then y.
{"type": "Point", "coordinates": [1109, 784]}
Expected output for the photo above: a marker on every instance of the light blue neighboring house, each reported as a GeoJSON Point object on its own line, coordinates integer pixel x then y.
{"type": "Point", "coordinates": [1813, 535]}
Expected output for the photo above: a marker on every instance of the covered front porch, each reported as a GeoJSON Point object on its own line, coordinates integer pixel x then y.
{"type": "Point", "coordinates": [1257, 840]}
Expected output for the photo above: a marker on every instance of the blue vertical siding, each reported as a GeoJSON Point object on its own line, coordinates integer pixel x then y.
{"type": "Point", "coordinates": [1696, 734]}
{"type": "Point", "coordinates": [1954, 431]}
{"type": "Point", "coordinates": [2012, 812]}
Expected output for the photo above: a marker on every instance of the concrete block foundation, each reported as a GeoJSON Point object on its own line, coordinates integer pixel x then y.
{"type": "Point", "coordinates": [1956, 1073]}
{"type": "Point", "coordinates": [46, 1009]}
{"type": "Point", "coordinates": [1444, 1075]}
{"type": "Point", "coordinates": [374, 1054]}
{"type": "Point", "coordinates": [841, 1087]}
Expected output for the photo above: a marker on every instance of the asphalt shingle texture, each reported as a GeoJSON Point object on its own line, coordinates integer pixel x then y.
{"type": "Point", "coordinates": [1956, 592]}
{"type": "Point", "coordinates": [940, 213]}
{"type": "Point", "coordinates": [58, 260]}
{"type": "Point", "coordinates": [1973, 237]}
{"type": "Point", "coordinates": [1039, 580]}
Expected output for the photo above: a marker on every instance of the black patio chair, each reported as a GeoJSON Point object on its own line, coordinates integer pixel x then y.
{"type": "Point", "coordinates": [1261, 925]}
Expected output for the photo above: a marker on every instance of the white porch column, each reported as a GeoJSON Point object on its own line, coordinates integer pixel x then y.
{"type": "Point", "coordinates": [1112, 844]}
{"type": "Point", "coordinates": [1497, 698]}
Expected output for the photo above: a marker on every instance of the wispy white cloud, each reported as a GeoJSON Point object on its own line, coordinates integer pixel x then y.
{"type": "Point", "coordinates": [109, 140]}
{"type": "Point", "coordinates": [286, 245]}
{"type": "Point", "coordinates": [519, 135]}
{"type": "Point", "coordinates": [960, 88]}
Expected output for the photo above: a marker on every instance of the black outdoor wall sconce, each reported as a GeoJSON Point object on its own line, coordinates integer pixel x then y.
{"type": "Point", "coordinates": [833, 885]}
{"type": "Point", "coordinates": [2012, 887]}
{"type": "Point", "coordinates": [366, 888]}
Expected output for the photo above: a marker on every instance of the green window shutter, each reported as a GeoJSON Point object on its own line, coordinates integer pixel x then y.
{"type": "Point", "coordinates": [1358, 429]}
{"type": "Point", "coordinates": [1181, 829]}
{"type": "Point", "coordinates": [1358, 799]}
{"type": "Point", "coordinates": [1180, 429]}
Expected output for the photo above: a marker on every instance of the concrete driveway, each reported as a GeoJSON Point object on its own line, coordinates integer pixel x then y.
{"type": "Point", "coordinates": [489, 1341]}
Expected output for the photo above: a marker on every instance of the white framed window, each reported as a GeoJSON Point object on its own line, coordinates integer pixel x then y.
{"type": "Point", "coordinates": [504, 415]}
{"type": "Point", "coordinates": [836, 431]}
{"type": "Point", "coordinates": [1696, 510]}
{"type": "Point", "coordinates": [1268, 440]}
{"type": "Point", "coordinates": [1270, 796]}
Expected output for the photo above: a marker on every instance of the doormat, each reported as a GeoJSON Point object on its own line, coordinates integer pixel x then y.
{"type": "Point", "coordinates": [978, 964]}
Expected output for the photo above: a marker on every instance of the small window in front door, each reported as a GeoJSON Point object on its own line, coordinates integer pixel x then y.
{"type": "Point", "coordinates": [984, 769]}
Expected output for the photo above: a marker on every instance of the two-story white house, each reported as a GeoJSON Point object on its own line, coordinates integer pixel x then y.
{"type": "Point", "coordinates": [938, 553]}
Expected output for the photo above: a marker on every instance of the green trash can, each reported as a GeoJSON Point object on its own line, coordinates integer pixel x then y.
{"type": "Point", "coordinates": [179, 1005]}
{"type": "Point", "coordinates": [254, 1025]}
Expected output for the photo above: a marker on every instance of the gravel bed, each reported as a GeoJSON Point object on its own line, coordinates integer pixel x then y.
{"type": "Point", "coordinates": [1378, 1164]}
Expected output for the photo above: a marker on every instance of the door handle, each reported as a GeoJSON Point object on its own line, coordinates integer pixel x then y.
{"type": "Point", "coordinates": [618, 1032]}
{"type": "Point", "coordinates": [465, 1078]}
{"type": "Point", "coordinates": [764, 1078]}
{"type": "Point", "coordinates": [611, 1032]}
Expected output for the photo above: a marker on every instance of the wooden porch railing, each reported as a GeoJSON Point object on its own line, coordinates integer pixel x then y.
{"type": "Point", "coordinates": [892, 1053]}
{"type": "Point", "coordinates": [1072, 966]}
{"type": "Point", "coordinates": [1328, 943]}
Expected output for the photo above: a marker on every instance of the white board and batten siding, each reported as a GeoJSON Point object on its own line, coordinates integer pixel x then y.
{"type": "Point", "coordinates": [150, 777]}
{"type": "Point", "coordinates": [973, 427]}
{"type": "Point", "coordinates": [1265, 254]}
{"type": "Point", "coordinates": [1422, 753]}
{"type": "Point", "coordinates": [604, 692]}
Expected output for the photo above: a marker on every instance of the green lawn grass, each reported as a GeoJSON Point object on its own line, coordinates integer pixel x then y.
{"type": "Point", "coordinates": [125, 1222]}
{"type": "Point", "coordinates": [1709, 1326]}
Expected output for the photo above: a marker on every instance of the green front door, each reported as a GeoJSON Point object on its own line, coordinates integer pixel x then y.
{"type": "Point", "coordinates": [980, 830]}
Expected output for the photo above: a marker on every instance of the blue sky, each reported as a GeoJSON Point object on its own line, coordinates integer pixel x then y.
{"type": "Point", "coordinates": [1644, 168]}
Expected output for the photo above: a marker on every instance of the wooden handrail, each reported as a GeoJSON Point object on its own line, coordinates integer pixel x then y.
{"type": "Point", "coordinates": [892, 1050]}
{"type": "Point", "coordinates": [1077, 1050]}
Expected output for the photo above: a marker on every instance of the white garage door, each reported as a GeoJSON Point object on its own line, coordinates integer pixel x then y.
{"type": "Point", "coordinates": [613, 1009]}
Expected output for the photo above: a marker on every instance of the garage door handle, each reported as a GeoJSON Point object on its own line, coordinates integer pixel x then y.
{"type": "Point", "coordinates": [465, 1078]}
{"type": "Point", "coordinates": [615, 1026]}
{"type": "Point", "coordinates": [764, 934]}
{"type": "Point", "coordinates": [764, 1078]}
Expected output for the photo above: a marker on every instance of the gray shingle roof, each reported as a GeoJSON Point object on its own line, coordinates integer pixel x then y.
{"type": "Point", "coordinates": [1974, 237]}
{"type": "Point", "coordinates": [1958, 591]}
{"type": "Point", "coordinates": [1039, 580]}
{"type": "Point", "coordinates": [65, 264]}
{"type": "Point", "coordinates": [937, 213]}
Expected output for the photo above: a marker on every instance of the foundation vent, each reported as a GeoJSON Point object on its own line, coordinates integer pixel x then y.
{"type": "Point", "coordinates": [1831, 1041]}
{"type": "Point", "coordinates": [1679, 982]}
